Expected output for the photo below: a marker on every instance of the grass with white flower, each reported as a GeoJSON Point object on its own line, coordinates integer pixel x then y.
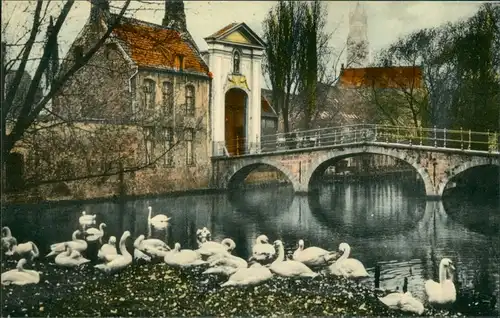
{"type": "Point", "coordinates": [156, 290]}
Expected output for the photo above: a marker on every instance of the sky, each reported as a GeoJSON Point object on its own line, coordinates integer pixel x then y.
{"type": "Point", "coordinates": [387, 20]}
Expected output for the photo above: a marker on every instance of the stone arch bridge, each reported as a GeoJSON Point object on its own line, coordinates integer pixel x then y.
{"type": "Point", "coordinates": [437, 155]}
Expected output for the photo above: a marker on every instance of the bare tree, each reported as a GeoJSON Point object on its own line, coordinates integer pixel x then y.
{"type": "Point", "coordinates": [70, 135]}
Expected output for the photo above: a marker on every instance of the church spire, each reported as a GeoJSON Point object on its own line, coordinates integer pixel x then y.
{"type": "Point", "coordinates": [175, 17]}
{"type": "Point", "coordinates": [357, 40]}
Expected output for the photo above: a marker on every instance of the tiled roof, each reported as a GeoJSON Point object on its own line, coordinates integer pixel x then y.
{"type": "Point", "coordinates": [155, 46]}
{"type": "Point", "coordinates": [382, 77]}
{"type": "Point", "coordinates": [224, 29]}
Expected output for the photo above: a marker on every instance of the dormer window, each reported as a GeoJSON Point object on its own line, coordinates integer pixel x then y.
{"type": "Point", "coordinates": [179, 62]}
{"type": "Point", "coordinates": [236, 62]}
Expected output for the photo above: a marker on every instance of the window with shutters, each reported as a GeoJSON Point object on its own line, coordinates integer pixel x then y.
{"type": "Point", "coordinates": [150, 144]}
{"type": "Point", "coordinates": [190, 105]}
{"type": "Point", "coordinates": [188, 138]}
{"type": "Point", "coordinates": [168, 99]}
{"type": "Point", "coordinates": [168, 144]}
{"type": "Point", "coordinates": [149, 91]}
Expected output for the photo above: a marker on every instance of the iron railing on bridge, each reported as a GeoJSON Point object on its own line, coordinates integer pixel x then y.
{"type": "Point", "coordinates": [464, 140]}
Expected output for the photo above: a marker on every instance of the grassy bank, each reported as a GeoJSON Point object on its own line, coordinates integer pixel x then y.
{"type": "Point", "coordinates": [156, 290]}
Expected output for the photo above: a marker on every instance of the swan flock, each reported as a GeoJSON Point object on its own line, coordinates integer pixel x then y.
{"type": "Point", "coordinates": [267, 260]}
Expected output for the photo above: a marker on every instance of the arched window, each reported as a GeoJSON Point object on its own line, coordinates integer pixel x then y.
{"type": "Point", "coordinates": [149, 90]}
{"type": "Point", "coordinates": [190, 102]}
{"type": "Point", "coordinates": [168, 98]}
{"type": "Point", "coordinates": [236, 62]}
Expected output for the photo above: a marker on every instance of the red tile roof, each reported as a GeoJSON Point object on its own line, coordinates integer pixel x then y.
{"type": "Point", "coordinates": [155, 46]}
{"type": "Point", "coordinates": [382, 77]}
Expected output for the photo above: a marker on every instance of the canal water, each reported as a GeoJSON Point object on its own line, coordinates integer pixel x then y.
{"type": "Point", "coordinates": [386, 223]}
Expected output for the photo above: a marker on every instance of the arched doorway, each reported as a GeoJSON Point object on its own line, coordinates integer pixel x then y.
{"type": "Point", "coordinates": [235, 121]}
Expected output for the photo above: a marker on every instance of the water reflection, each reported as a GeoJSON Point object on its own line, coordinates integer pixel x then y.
{"type": "Point", "coordinates": [384, 223]}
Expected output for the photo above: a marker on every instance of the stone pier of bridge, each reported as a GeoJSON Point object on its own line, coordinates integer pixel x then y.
{"type": "Point", "coordinates": [435, 166]}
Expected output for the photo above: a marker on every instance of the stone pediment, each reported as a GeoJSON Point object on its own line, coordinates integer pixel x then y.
{"type": "Point", "coordinates": [236, 33]}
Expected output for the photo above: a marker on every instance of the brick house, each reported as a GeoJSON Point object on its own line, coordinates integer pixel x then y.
{"type": "Point", "coordinates": [152, 77]}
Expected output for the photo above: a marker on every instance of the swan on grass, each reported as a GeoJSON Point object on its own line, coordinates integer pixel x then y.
{"type": "Point", "coordinates": [159, 221]}
{"type": "Point", "coordinates": [93, 234]}
{"type": "Point", "coordinates": [262, 251]}
{"type": "Point", "coordinates": [403, 301]}
{"type": "Point", "coordinates": [149, 247]}
{"type": "Point", "coordinates": [210, 248]}
{"type": "Point", "coordinates": [27, 250]}
{"type": "Point", "coordinates": [225, 264]}
{"type": "Point", "coordinates": [253, 275]}
{"type": "Point", "coordinates": [86, 219]}
{"type": "Point", "coordinates": [183, 258]}
{"type": "Point", "coordinates": [108, 248]}
{"type": "Point", "coordinates": [20, 276]}
{"type": "Point", "coordinates": [139, 255]}
{"type": "Point", "coordinates": [75, 244]}
{"type": "Point", "coordinates": [442, 292]}
{"type": "Point", "coordinates": [8, 241]}
{"type": "Point", "coordinates": [347, 267]}
{"type": "Point", "coordinates": [314, 256]}
{"type": "Point", "coordinates": [289, 268]}
{"type": "Point", "coordinates": [120, 261]}
{"type": "Point", "coordinates": [70, 258]}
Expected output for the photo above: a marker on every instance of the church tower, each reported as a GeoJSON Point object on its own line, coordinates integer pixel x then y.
{"type": "Point", "coordinates": [175, 17]}
{"type": "Point", "coordinates": [357, 40]}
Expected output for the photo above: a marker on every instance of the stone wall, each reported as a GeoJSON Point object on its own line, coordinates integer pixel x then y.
{"type": "Point", "coordinates": [435, 167]}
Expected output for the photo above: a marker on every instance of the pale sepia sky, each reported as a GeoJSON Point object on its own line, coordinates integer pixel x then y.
{"type": "Point", "coordinates": [386, 20]}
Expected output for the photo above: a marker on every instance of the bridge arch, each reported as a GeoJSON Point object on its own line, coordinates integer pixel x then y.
{"type": "Point", "coordinates": [476, 162]}
{"type": "Point", "coordinates": [239, 172]}
{"type": "Point", "coordinates": [413, 160]}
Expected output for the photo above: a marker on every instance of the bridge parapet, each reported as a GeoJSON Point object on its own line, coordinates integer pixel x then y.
{"type": "Point", "coordinates": [436, 154]}
{"type": "Point", "coordinates": [369, 133]}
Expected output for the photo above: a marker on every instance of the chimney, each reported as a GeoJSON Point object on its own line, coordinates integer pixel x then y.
{"type": "Point", "coordinates": [175, 17]}
{"type": "Point", "coordinates": [341, 66]}
{"type": "Point", "coordinates": [99, 10]}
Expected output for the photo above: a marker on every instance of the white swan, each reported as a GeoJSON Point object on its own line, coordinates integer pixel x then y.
{"type": "Point", "coordinates": [314, 256]}
{"type": "Point", "coordinates": [347, 267]}
{"type": "Point", "coordinates": [20, 276]}
{"type": "Point", "coordinates": [108, 248]}
{"type": "Point", "coordinates": [7, 239]}
{"type": "Point", "coordinates": [252, 275]}
{"type": "Point", "coordinates": [159, 220]}
{"type": "Point", "coordinates": [262, 250]}
{"type": "Point", "coordinates": [210, 248]}
{"type": "Point", "coordinates": [443, 292]}
{"type": "Point", "coordinates": [75, 244]}
{"type": "Point", "coordinates": [225, 264]}
{"type": "Point", "coordinates": [138, 254]}
{"type": "Point", "coordinates": [86, 219]}
{"type": "Point", "coordinates": [152, 247]}
{"type": "Point", "coordinates": [120, 261]}
{"type": "Point", "coordinates": [289, 268]}
{"type": "Point", "coordinates": [27, 250]}
{"type": "Point", "coordinates": [183, 258]}
{"type": "Point", "coordinates": [94, 234]}
{"type": "Point", "coordinates": [404, 302]}
{"type": "Point", "coordinates": [70, 258]}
